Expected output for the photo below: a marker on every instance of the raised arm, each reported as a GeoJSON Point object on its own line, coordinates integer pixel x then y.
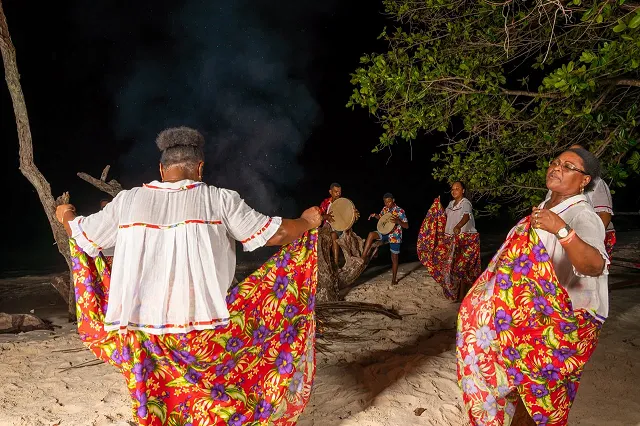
{"type": "Point", "coordinates": [291, 229]}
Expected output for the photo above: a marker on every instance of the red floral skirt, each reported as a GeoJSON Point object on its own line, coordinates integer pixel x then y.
{"type": "Point", "coordinates": [518, 335]}
{"type": "Point", "coordinates": [452, 260]}
{"type": "Point", "coordinates": [256, 370]}
{"type": "Point", "coordinates": [610, 242]}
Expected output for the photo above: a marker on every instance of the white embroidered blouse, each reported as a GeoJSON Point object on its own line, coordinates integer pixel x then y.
{"type": "Point", "coordinates": [599, 196]}
{"type": "Point", "coordinates": [586, 292]}
{"type": "Point", "coordinates": [455, 214]}
{"type": "Point", "coordinates": [174, 254]}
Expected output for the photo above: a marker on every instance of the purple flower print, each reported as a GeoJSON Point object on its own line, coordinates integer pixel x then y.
{"type": "Point", "coordinates": [515, 375]}
{"type": "Point", "coordinates": [540, 419]}
{"type": "Point", "coordinates": [192, 376]}
{"type": "Point", "coordinates": [312, 302]}
{"type": "Point", "coordinates": [472, 361]}
{"type": "Point", "coordinates": [540, 252]}
{"type": "Point", "coordinates": [548, 287]}
{"type": "Point", "coordinates": [183, 356]}
{"type": "Point", "coordinates": [504, 281]}
{"type": "Point", "coordinates": [141, 397]}
{"type": "Point", "coordinates": [263, 410]}
{"type": "Point", "coordinates": [511, 353]}
{"type": "Point", "coordinates": [490, 406]}
{"type": "Point", "coordinates": [563, 354]}
{"type": "Point", "coordinates": [567, 327]}
{"type": "Point", "coordinates": [280, 286]}
{"type": "Point", "coordinates": [284, 363]}
{"type": "Point", "coordinates": [288, 335]}
{"type": "Point", "coordinates": [126, 353]}
{"type": "Point", "coordinates": [218, 393]}
{"type": "Point", "coordinates": [459, 339]}
{"type": "Point", "coordinates": [283, 261]}
{"type": "Point", "coordinates": [232, 295]}
{"type": "Point", "coordinates": [234, 344]}
{"type": "Point", "coordinates": [550, 372]}
{"type": "Point", "coordinates": [485, 336]}
{"type": "Point", "coordinates": [571, 390]}
{"type": "Point", "coordinates": [151, 347]}
{"type": "Point", "coordinates": [236, 419]}
{"type": "Point", "coordinates": [224, 369]}
{"type": "Point", "coordinates": [539, 391]}
{"type": "Point", "coordinates": [502, 320]}
{"type": "Point", "coordinates": [468, 386]}
{"type": "Point", "coordinates": [541, 305]}
{"type": "Point", "coordinates": [75, 264]}
{"type": "Point", "coordinates": [296, 382]}
{"type": "Point", "coordinates": [290, 311]}
{"type": "Point", "coordinates": [260, 334]}
{"type": "Point", "coordinates": [142, 370]}
{"type": "Point", "coordinates": [116, 357]}
{"type": "Point", "coordinates": [522, 265]}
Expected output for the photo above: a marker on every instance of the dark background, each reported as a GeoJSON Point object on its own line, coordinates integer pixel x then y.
{"type": "Point", "coordinates": [265, 82]}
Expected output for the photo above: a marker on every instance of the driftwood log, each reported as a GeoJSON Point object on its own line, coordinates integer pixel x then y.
{"type": "Point", "coordinates": [331, 278]}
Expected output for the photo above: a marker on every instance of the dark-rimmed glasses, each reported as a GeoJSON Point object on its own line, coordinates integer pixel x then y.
{"type": "Point", "coordinates": [566, 166]}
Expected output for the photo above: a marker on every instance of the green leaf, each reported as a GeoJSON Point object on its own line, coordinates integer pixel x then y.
{"type": "Point", "coordinates": [635, 21]}
{"type": "Point", "coordinates": [620, 27]}
{"type": "Point", "coordinates": [158, 409]}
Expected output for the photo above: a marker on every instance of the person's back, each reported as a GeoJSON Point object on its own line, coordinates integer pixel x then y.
{"type": "Point", "coordinates": [175, 249]}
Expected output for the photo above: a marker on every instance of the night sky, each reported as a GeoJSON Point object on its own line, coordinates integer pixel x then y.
{"type": "Point", "coordinates": [266, 85]}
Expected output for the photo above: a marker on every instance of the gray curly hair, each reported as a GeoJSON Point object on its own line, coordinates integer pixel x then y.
{"type": "Point", "coordinates": [180, 146]}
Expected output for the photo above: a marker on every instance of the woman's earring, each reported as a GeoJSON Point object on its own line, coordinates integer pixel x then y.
{"type": "Point", "coordinates": [582, 189]}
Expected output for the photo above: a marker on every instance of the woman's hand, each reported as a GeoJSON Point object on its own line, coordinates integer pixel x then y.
{"type": "Point", "coordinates": [313, 217]}
{"type": "Point", "coordinates": [456, 230]}
{"type": "Point", "coordinates": [547, 220]}
{"type": "Point", "coordinates": [64, 209]}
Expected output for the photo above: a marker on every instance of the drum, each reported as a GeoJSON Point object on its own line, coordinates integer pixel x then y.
{"type": "Point", "coordinates": [344, 214]}
{"type": "Point", "coordinates": [386, 223]}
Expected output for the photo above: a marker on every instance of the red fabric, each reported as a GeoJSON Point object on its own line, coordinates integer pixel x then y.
{"type": "Point", "coordinates": [610, 242]}
{"type": "Point", "coordinates": [258, 369]}
{"type": "Point", "coordinates": [519, 335]}
{"type": "Point", "coordinates": [452, 260]}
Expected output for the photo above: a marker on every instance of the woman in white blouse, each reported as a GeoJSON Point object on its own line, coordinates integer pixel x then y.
{"type": "Point", "coordinates": [532, 320]}
{"type": "Point", "coordinates": [462, 242]}
{"type": "Point", "coordinates": [167, 324]}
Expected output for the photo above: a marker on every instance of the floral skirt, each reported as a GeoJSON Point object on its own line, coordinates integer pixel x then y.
{"type": "Point", "coordinates": [610, 242]}
{"type": "Point", "coordinates": [518, 336]}
{"type": "Point", "coordinates": [256, 370]}
{"type": "Point", "coordinates": [452, 260]}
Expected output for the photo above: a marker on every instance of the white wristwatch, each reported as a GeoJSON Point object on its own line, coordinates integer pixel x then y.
{"type": "Point", "coordinates": [563, 232]}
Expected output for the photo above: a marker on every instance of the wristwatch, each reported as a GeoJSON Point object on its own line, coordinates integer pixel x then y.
{"type": "Point", "coordinates": [563, 232]}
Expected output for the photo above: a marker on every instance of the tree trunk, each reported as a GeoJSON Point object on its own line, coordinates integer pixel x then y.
{"type": "Point", "coordinates": [332, 279]}
{"type": "Point", "coordinates": [27, 165]}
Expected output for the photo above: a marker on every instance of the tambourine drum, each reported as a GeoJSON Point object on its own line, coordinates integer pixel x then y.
{"type": "Point", "coordinates": [386, 223]}
{"type": "Point", "coordinates": [344, 214]}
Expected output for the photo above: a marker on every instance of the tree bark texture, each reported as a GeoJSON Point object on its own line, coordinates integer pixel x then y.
{"type": "Point", "coordinates": [331, 279]}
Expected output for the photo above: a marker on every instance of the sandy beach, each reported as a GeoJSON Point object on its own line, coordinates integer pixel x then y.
{"type": "Point", "coordinates": [379, 371]}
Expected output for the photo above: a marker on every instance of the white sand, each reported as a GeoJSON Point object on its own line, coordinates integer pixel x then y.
{"type": "Point", "coordinates": [381, 375]}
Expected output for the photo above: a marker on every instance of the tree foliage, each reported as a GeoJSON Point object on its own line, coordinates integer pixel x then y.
{"type": "Point", "coordinates": [512, 83]}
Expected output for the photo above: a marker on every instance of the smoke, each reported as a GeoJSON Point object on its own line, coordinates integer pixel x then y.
{"type": "Point", "coordinates": [226, 71]}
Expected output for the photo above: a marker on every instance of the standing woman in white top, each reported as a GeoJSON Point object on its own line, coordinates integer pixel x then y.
{"type": "Point", "coordinates": [192, 350]}
{"type": "Point", "coordinates": [531, 322]}
{"type": "Point", "coordinates": [462, 243]}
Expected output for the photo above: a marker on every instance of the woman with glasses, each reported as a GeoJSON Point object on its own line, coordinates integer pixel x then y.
{"type": "Point", "coordinates": [531, 321]}
{"type": "Point", "coordinates": [449, 245]}
{"type": "Point", "coordinates": [599, 196]}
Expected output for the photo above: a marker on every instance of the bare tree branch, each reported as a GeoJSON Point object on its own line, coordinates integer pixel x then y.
{"type": "Point", "coordinates": [112, 187]}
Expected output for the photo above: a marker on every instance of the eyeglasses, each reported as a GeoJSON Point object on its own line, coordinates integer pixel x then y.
{"type": "Point", "coordinates": [566, 166]}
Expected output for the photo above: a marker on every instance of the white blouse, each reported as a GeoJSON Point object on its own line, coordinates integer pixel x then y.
{"type": "Point", "coordinates": [586, 292]}
{"type": "Point", "coordinates": [174, 253]}
{"type": "Point", "coordinates": [454, 216]}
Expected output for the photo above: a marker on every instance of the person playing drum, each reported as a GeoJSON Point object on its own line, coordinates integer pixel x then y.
{"type": "Point", "coordinates": [394, 238]}
{"type": "Point", "coordinates": [335, 192]}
